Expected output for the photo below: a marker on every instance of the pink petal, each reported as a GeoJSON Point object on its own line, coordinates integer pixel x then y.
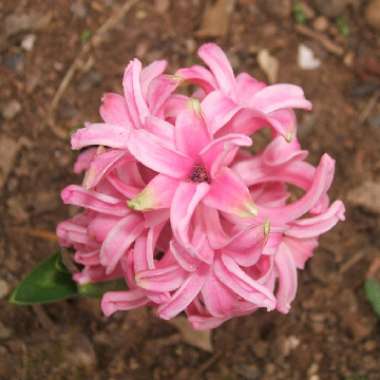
{"type": "Point", "coordinates": [114, 110]}
{"type": "Point", "coordinates": [185, 201]}
{"type": "Point", "coordinates": [122, 300]}
{"type": "Point", "coordinates": [218, 110]}
{"type": "Point", "coordinates": [100, 134]}
{"type": "Point", "coordinates": [191, 134]}
{"type": "Point", "coordinates": [318, 225]}
{"type": "Point", "coordinates": [229, 273]}
{"type": "Point", "coordinates": [78, 196]}
{"type": "Point", "coordinates": [84, 160]}
{"type": "Point", "coordinates": [102, 164]}
{"type": "Point", "coordinates": [157, 194]}
{"type": "Point", "coordinates": [135, 101]}
{"type": "Point", "coordinates": [124, 189]}
{"type": "Point", "coordinates": [228, 193]}
{"type": "Point", "coordinates": [301, 249]}
{"type": "Point", "coordinates": [221, 151]}
{"type": "Point", "coordinates": [287, 273]}
{"type": "Point", "coordinates": [119, 239]}
{"type": "Point", "coordinates": [151, 72]}
{"type": "Point", "coordinates": [199, 76]}
{"type": "Point", "coordinates": [161, 129]}
{"type": "Point", "coordinates": [183, 258]}
{"type": "Point", "coordinates": [100, 226]}
{"type": "Point", "coordinates": [161, 279]}
{"type": "Point", "coordinates": [185, 294]}
{"type": "Point", "coordinates": [280, 152]}
{"type": "Point", "coordinates": [247, 87]}
{"type": "Point", "coordinates": [318, 188]}
{"type": "Point", "coordinates": [159, 91]}
{"type": "Point", "coordinates": [219, 65]}
{"type": "Point", "coordinates": [279, 96]}
{"type": "Point", "coordinates": [152, 152]}
{"type": "Point", "coordinates": [218, 299]}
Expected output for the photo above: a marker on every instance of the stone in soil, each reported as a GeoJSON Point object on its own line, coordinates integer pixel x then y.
{"type": "Point", "coordinates": [8, 152]}
{"type": "Point", "coordinates": [331, 8]}
{"type": "Point", "coordinates": [11, 109]}
{"type": "Point", "coordinates": [372, 14]}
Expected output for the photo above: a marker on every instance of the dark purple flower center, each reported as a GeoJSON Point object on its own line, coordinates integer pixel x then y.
{"type": "Point", "coordinates": [199, 174]}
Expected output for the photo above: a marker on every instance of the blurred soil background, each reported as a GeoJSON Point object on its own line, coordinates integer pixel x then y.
{"type": "Point", "coordinates": [330, 48]}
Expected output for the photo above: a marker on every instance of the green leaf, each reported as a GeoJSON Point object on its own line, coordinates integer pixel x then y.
{"type": "Point", "coordinates": [96, 290]}
{"type": "Point", "coordinates": [50, 281]}
{"type": "Point", "coordinates": [342, 26]}
{"type": "Point", "coordinates": [372, 291]}
{"type": "Point", "coordinates": [298, 13]}
{"type": "Point", "coordinates": [85, 36]}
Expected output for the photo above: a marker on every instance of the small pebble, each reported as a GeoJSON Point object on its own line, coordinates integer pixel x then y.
{"type": "Point", "coordinates": [11, 109]}
{"type": "Point", "coordinates": [28, 42]}
{"type": "Point", "coordinates": [321, 24]}
{"type": "Point", "coordinates": [4, 289]}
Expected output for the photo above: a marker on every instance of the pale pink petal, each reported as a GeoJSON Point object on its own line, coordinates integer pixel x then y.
{"type": "Point", "coordinates": [219, 65]}
{"type": "Point", "coordinates": [119, 239]}
{"type": "Point", "coordinates": [122, 300]}
{"type": "Point", "coordinates": [152, 152]}
{"type": "Point", "coordinates": [100, 134]}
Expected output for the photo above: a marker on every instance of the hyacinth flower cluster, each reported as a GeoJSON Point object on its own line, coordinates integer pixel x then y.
{"type": "Point", "coordinates": [175, 203]}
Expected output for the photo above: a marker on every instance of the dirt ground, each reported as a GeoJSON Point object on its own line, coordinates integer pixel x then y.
{"type": "Point", "coordinates": [331, 332]}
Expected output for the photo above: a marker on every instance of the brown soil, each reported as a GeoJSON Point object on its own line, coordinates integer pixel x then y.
{"type": "Point", "coordinates": [331, 332]}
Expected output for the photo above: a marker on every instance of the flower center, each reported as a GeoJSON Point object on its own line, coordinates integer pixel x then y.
{"type": "Point", "coordinates": [199, 174]}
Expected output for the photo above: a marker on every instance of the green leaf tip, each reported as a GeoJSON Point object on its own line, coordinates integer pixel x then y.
{"type": "Point", "coordinates": [372, 291]}
{"type": "Point", "coordinates": [50, 281]}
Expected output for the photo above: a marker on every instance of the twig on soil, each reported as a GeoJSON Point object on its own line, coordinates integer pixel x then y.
{"type": "Point", "coordinates": [351, 262]}
{"type": "Point", "coordinates": [329, 45]}
{"type": "Point", "coordinates": [39, 233]}
{"type": "Point", "coordinates": [96, 39]}
{"type": "Point", "coordinates": [368, 108]}
{"type": "Point", "coordinates": [205, 366]}
{"type": "Point", "coordinates": [44, 319]}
